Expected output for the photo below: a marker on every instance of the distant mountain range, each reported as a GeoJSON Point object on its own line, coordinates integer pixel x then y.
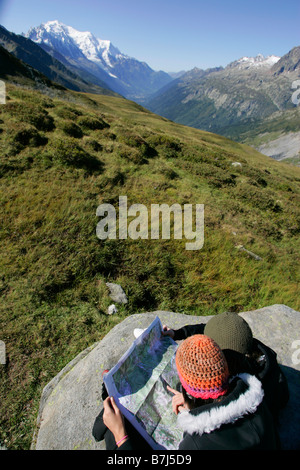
{"type": "Point", "coordinates": [96, 59]}
{"type": "Point", "coordinates": [245, 90]}
{"type": "Point", "coordinates": [37, 65]}
{"type": "Point", "coordinates": [250, 101]}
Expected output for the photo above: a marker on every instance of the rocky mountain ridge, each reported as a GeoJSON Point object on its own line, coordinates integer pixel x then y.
{"type": "Point", "coordinates": [33, 56]}
{"type": "Point", "coordinates": [232, 100]}
{"type": "Point", "coordinates": [100, 58]}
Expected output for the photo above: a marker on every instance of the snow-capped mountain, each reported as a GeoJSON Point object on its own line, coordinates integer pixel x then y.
{"type": "Point", "coordinates": [98, 57]}
{"type": "Point", "coordinates": [36, 57]}
{"type": "Point", "coordinates": [67, 40]}
{"type": "Point", "coordinates": [255, 62]}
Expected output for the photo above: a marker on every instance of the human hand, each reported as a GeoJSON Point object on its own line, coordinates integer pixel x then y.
{"type": "Point", "coordinates": [178, 403]}
{"type": "Point", "coordinates": [166, 331]}
{"type": "Point", "coordinates": [113, 419]}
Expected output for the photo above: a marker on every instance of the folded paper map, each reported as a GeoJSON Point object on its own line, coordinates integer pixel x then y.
{"type": "Point", "coordinates": [138, 382]}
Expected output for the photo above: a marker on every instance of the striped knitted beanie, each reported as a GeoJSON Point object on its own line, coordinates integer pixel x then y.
{"type": "Point", "coordinates": [202, 367]}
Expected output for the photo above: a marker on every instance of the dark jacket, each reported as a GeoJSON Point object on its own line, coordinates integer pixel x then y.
{"type": "Point", "coordinates": [241, 421]}
{"type": "Point", "coordinates": [272, 378]}
{"type": "Point", "coordinates": [265, 368]}
{"type": "Point", "coordinates": [189, 330]}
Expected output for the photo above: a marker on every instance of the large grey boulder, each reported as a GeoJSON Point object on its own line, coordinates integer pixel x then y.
{"type": "Point", "coordinates": [72, 400]}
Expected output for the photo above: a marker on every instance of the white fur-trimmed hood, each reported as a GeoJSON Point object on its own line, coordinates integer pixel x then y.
{"type": "Point", "coordinates": [212, 419]}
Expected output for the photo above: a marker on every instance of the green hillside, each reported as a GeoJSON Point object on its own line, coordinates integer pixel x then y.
{"type": "Point", "coordinates": [60, 159]}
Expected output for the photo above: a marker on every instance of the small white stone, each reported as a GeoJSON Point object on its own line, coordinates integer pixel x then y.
{"type": "Point", "coordinates": [112, 309]}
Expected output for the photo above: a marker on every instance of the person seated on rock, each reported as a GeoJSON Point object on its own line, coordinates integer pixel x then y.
{"type": "Point", "coordinates": [215, 411]}
{"type": "Point", "coordinates": [243, 354]}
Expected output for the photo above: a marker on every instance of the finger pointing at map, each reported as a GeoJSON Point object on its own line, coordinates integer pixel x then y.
{"type": "Point", "coordinates": [177, 400]}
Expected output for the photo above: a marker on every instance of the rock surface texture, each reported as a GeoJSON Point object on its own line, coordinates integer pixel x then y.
{"type": "Point", "coordinates": [72, 400]}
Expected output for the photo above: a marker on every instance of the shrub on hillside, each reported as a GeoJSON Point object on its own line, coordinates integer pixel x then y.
{"type": "Point", "coordinates": [259, 198]}
{"type": "Point", "coordinates": [132, 154]}
{"type": "Point", "coordinates": [72, 129]}
{"type": "Point", "coordinates": [18, 136]}
{"type": "Point", "coordinates": [196, 154]}
{"type": "Point", "coordinates": [130, 139]}
{"type": "Point", "coordinates": [30, 137]}
{"type": "Point", "coordinates": [67, 152]}
{"type": "Point", "coordinates": [169, 173]}
{"type": "Point", "coordinates": [31, 114]}
{"type": "Point", "coordinates": [92, 123]}
{"type": "Point", "coordinates": [220, 179]}
{"type": "Point", "coordinates": [214, 176]}
{"type": "Point", "coordinates": [256, 176]}
{"type": "Point", "coordinates": [136, 141]}
{"type": "Point", "coordinates": [66, 112]}
{"type": "Point", "coordinates": [166, 145]}
{"type": "Point", "coordinates": [92, 144]}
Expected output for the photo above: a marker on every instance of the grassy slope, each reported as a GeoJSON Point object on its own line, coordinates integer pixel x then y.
{"type": "Point", "coordinates": [61, 159]}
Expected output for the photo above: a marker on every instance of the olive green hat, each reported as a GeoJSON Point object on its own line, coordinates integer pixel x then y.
{"type": "Point", "coordinates": [230, 331]}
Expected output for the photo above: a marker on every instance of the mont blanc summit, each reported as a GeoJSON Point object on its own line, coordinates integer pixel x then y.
{"type": "Point", "coordinates": [75, 44]}
{"type": "Point", "coordinates": [99, 58]}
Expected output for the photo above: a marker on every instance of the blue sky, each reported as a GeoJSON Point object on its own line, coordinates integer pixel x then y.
{"type": "Point", "coordinates": [171, 35]}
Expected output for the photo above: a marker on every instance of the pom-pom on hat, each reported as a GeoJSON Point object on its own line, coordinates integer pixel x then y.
{"type": "Point", "coordinates": [230, 331]}
{"type": "Point", "coordinates": [202, 367]}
